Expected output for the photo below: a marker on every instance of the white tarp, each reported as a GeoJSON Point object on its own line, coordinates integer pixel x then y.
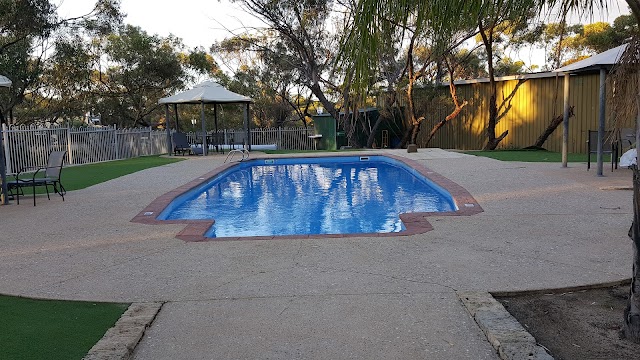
{"type": "Point", "coordinates": [4, 81]}
{"type": "Point", "coordinates": [206, 92]}
{"type": "Point", "coordinates": [607, 59]}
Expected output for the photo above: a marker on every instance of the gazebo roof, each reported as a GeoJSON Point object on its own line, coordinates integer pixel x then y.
{"type": "Point", "coordinates": [206, 92]}
{"type": "Point", "coordinates": [4, 81]}
{"type": "Point", "coordinates": [605, 59]}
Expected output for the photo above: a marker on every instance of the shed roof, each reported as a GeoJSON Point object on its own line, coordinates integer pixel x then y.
{"type": "Point", "coordinates": [595, 62]}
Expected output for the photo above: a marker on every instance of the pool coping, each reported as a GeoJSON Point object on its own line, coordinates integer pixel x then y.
{"type": "Point", "coordinates": [415, 223]}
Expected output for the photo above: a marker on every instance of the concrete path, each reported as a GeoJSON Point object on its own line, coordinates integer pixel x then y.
{"type": "Point", "coordinates": [368, 298]}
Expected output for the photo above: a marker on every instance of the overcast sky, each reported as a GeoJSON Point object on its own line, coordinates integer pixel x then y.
{"type": "Point", "coordinates": [197, 22]}
{"type": "Point", "coordinates": [202, 22]}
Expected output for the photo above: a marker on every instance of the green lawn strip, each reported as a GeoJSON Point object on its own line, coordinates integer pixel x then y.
{"type": "Point", "coordinates": [535, 156]}
{"type": "Point", "coordinates": [53, 329]}
{"type": "Point", "coordinates": [82, 176]}
{"type": "Point", "coordinates": [275, 152]}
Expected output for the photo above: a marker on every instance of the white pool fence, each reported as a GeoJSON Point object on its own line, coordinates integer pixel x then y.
{"type": "Point", "coordinates": [29, 146]}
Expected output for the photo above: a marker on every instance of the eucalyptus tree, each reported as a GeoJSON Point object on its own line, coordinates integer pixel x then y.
{"type": "Point", "coordinates": [494, 15]}
{"type": "Point", "coordinates": [306, 35]}
{"type": "Point", "coordinates": [22, 20]}
{"type": "Point", "coordinates": [28, 30]}
{"type": "Point", "coordinates": [252, 59]}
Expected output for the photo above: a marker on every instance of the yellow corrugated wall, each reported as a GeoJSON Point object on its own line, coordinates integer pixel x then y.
{"type": "Point", "coordinates": [528, 112]}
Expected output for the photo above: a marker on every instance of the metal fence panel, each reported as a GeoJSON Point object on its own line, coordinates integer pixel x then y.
{"type": "Point", "coordinates": [30, 146]}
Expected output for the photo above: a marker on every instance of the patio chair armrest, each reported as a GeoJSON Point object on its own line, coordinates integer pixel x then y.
{"type": "Point", "coordinates": [36, 172]}
{"type": "Point", "coordinates": [25, 169]}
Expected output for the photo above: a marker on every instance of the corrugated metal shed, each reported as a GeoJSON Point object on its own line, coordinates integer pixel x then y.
{"type": "Point", "coordinates": [528, 103]}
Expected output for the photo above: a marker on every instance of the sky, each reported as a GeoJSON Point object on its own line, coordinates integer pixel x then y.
{"type": "Point", "coordinates": [202, 22]}
{"type": "Point", "coordinates": [196, 22]}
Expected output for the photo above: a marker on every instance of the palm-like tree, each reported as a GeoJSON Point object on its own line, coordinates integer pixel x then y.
{"type": "Point", "coordinates": [445, 17]}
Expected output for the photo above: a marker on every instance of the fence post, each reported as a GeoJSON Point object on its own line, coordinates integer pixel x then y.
{"type": "Point", "coordinates": [114, 131]}
{"type": "Point", "coordinates": [279, 145]}
{"type": "Point", "coordinates": [69, 147]}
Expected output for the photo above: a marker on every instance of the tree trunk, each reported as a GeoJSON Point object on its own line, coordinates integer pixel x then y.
{"type": "Point", "coordinates": [555, 122]}
{"type": "Point", "coordinates": [631, 326]}
{"type": "Point", "coordinates": [456, 103]}
{"type": "Point", "coordinates": [492, 140]}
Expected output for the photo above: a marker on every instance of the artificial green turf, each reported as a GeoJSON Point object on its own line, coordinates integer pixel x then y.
{"type": "Point", "coordinates": [534, 156]}
{"type": "Point", "coordinates": [304, 151]}
{"type": "Point", "coordinates": [52, 329]}
{"type": "Point", "coordinates": [82, 176]}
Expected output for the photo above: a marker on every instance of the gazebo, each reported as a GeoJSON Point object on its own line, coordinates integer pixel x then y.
{"type": "Point", "coordinates": [207, 92]}
{"type": "Point", "coordinates": [601, 63]}
{"type": "Point", "coordinates": [4, 82]}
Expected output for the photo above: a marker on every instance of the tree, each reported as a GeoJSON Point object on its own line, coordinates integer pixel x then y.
{"type": "Point", "coordinates": [366, 26]}
{"type": "Point", "coordinates": [26, 31]}
{"type": "Point", "coordinates": [299, 32]}
{"type": "Point", "coordinates": [277, 95]}
{"type": "Point", "coordinates": [494, 18]}
{"type": "Point", "coordinates": [22, 20]}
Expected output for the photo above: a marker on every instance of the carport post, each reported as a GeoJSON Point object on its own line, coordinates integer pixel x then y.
{"type": "Point", "coordinates": [204, 131]}
{"type": "Point", "coordinates": [565, 121]}
{"type": "Point", "coordinates": [166, 125]}
{"type": "Point", "coordinates": [601, 120]}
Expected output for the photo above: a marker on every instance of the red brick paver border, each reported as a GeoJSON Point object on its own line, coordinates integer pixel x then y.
{"type": "Point", "coordinates": [415, 223]}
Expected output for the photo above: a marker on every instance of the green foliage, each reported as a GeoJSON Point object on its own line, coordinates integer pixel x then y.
{"type": "Point", "coordinates": [26, 30]}
{"type": "Point", "coordinates": [506, 66]}
{"type": "Point", "coordinates": [282, 66]}
{"type": "Point", "coordinates": [51, 329]}
{"type": "Point", "coordinates": [25, 19]}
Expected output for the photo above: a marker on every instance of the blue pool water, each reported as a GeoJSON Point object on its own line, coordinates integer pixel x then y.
{"type": "Point", "coordinates": [294, 196]}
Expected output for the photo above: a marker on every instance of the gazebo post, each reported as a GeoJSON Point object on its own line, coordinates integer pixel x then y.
{"type": "Point", "coordinates": [601, 119]}
{"type": "Point", "coordinates": [247, 128]}
{"type": "Point", "coordinates": [166, 125]}
{"type": "Point", "coordinates": [565, 121]}
{"type": "Point", "coordinates": [215, 122]}
{"type": "Point", "coordinates": [204, 130]}
{"type": "Point", "coordinates": [175, 111]}
{"type": "Point", "coordinates": [3, 170]}
{"type": "Point", "coordinates": [4, 191]}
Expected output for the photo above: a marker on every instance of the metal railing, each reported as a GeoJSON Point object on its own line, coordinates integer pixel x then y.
{"type": "Point", "coordinates": [281, 138]}
{"type": "Point", "coordinates": [29, 146]}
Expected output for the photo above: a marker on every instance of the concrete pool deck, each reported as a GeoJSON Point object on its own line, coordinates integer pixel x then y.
{"type": "Point", "coordinates": [365, 297]}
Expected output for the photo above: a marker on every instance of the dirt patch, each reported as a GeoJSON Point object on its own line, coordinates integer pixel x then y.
{"type": "Point", "coordinates": [583, 324]}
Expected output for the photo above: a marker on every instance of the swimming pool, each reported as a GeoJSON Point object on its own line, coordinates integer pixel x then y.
{"type": "Point", "coordinates": [301, 196]}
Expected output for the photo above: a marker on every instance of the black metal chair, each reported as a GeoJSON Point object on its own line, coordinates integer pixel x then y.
{"type": "Point", "coordinates": [52, 173]}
